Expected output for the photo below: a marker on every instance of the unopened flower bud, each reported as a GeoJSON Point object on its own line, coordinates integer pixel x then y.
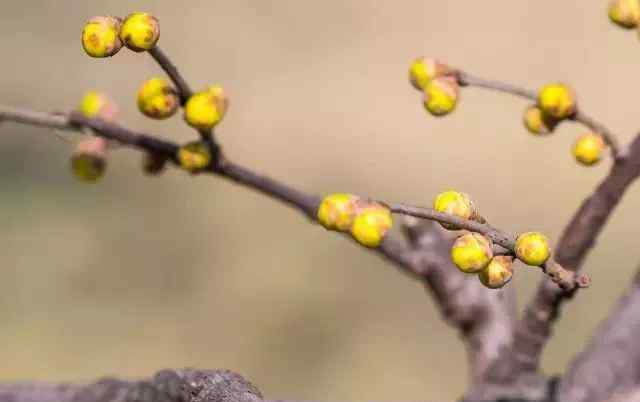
{"type": "Point", "coordinates": [625, 13]}
{"type": "Point", "coordinates": [371, 224]}
{"type": "Point", "coordinates": [153, 164]}
{"type": "Point", "coordinates": [441, 95]}
{"type": "Point", "coordinates": [589, 148]}
{"type": "Point", "coordinates": [100, 37]}
{"type": "Point", "coordinates": [532, 248]}
{"type": "Point", "coordinates": [337, 211]}
{"type": "Point", "coordinates": [538, 122]}
{"type": "Point", "coordinates": [425, 69]}
{"type": "Point", "coordinates": [89, 160]}
{"type": "Point", "coordinates": [96, 104]}
{"type": "Point", "coordinates": [140, 31]}
{"type": "Point", "coordinates": [557, 100]}
{"type": "Point", "coordinates": [204, 110]}
{"type": "Point", "coordinates": [455, 203]}
{"type": "Point", "coordinates": [194, 156]}
{"type": "Point", "coordinates": [498, 273]}
{"type": "Point", "coordinates": [472, 252]}
{"type": "Point", "coordinates": [157, 99]}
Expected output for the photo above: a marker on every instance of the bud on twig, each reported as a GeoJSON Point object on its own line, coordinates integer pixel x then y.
{"type": "Point", "coordinates": [100, 37]}
{"type": "Point", "coordinates": [140, 31]}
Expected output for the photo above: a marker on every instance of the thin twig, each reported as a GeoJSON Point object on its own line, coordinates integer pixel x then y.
{"type": "Point", "coordinates": [184, 91]}
{"type": "Point", "coordinates": [466, 79]}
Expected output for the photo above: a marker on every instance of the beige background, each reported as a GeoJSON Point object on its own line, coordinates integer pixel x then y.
{"type": "Point", "coordinates": [136, 274]}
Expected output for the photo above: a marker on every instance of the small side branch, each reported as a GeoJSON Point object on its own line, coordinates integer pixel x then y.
{"type": "Point", "coordinates": [466, 79]}
{"type": "Point", "coordinates": [610, 365]}
{"type": "Point", "coordinates": [165, 63]}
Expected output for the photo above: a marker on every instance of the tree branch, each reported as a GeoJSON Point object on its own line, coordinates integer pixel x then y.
{"type": "Point", "coordinates": [610, 364]}
{"type": "Point", "coordinates": [535, 327]}
{"type": "Point", "coordinates": [185, 385]}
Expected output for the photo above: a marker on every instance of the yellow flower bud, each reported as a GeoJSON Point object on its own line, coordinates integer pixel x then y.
{"type": "Point", "coordinates": [454, 203]}
{"type": "Point", "coordinates": [100, 37]}
{"type": "Point", "coordinates": [557, 100]}
{"type": "Point", "coordinates": [371, 224]}
{"type": "Point", "coordinates": [157, 99]}
{"type": "Point", "coordinates": [441, 95]}
{"type": "Point", "coordinates": [532, 248]}
{"type": "Point", "coordinates": [538, 122]}
{"type": "Point", "coordinates": [588, 149]}
{"type": "Point", "coordinates": [194, 156]}
{"type": "Point", "coordinates": [498, 273]}
{"type": "Point", "coordinates": [89, 160]}
{"type": "Point", "coordinates": [140, 31]}
{"type": "Point", "coordinates": [625, 13]}
{"type": "Point", "coordinates": [153, 164]}
{"type": "Point", "coordinates": [424, 69]}
{"type": "Point", "coordinates": [204, 110]}
{"type": "Point", "coordinates": [472, 252]}
{"type": "Point", "coordinates": [95, 104]}
{"type": "Point", "coordinates": [337, 211]}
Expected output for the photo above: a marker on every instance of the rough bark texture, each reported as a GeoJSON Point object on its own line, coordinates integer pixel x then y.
{"type": "Point", "coordinates": [165, 386]}
{"type": "Point", "coordinates": [610, 364]}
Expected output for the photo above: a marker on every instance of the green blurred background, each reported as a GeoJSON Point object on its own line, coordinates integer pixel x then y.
{"type": "Point", "coordinates": [137, 274]}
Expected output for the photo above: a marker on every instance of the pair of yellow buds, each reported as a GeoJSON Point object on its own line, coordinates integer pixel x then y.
{"type": "Point", "coordinates": [367, 221]}
{"type": "Point", "coordinates": [438, 83]}
{"type": "Point", "coordinates": [473, 252]}
{"type": "Point", "coordinates": [158, 99]}
{"type": "Point", "coordinates": [104, 36]}
{"type": "Point", "coordinates": [557, 102]}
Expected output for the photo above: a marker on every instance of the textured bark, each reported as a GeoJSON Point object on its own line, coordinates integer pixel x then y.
{"type": "Point", "coordinates": [166, 386]}
{"type": "Point", "coordinates": [610, 364]}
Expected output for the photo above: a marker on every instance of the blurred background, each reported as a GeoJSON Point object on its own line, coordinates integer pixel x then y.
{"type": "Point", "coordinates": [136, 274]}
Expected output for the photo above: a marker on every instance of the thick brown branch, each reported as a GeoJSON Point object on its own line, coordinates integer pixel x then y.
{"type": "Point", "coordinates": [534, 329]}
{"type": "Point", "coordinates": [165, 386]}
{"type": "Point", "coordinates": [466, 79]}
{"type": "Point", "coordinates": [610, 364]}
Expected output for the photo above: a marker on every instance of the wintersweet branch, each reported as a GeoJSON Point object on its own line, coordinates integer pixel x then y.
{"type": "Point", "coordinates": [565, 279]}
{"type": "Point", "coordinates": [306, 203]}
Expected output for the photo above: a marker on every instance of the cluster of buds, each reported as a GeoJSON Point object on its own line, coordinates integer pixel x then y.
{"type": "Point", "coordinates": [473, 253]}
{"type": "Point", "coordinates": [437, 82]}
{"type": "Point", "coordinates": [367, 221]}
{"type": "Point", "coordinates": [557, 102]}
{"type": "Point", "coordinates": [205, 109]}
{"type": "Point", "coordinates": [157, 98]}
{"type": "Point", "coordinates": [104, 36]}
{"type": "Point", "coordinates": [625, 13]}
